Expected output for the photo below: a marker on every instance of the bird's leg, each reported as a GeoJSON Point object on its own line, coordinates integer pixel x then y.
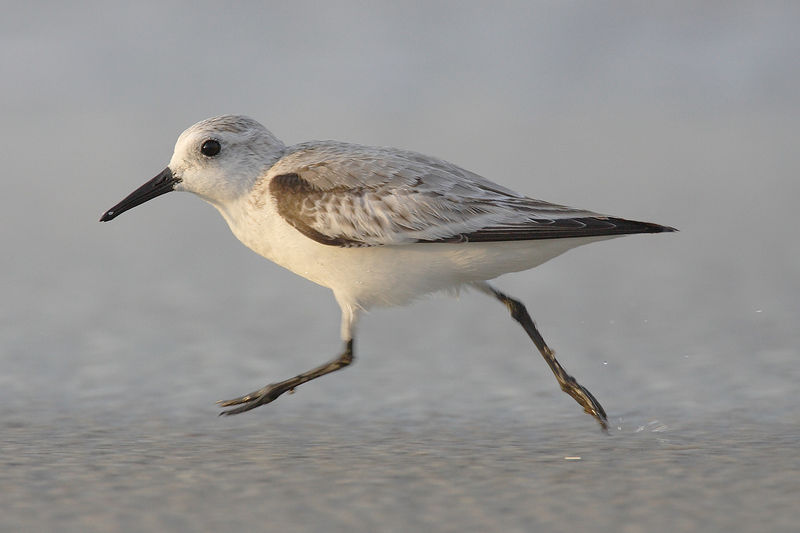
{"type": "Point", "coordinates": [568, 383]}
{"type": "Point", "coordinates": [269, 393]}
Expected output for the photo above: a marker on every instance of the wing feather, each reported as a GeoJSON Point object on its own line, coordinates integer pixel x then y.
{"type": "Point", "coordinates": [342, 194]}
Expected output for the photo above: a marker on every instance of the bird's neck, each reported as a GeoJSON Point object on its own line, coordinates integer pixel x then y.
{"type": "Point", "coordinates": [248, 225]}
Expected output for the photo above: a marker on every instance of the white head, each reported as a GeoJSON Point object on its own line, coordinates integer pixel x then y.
{"type": "Point", "coordinates": [218, 159]}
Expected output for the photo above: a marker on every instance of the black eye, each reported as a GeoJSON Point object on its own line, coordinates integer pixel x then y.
{"type": "Point", "coordinates": [210, 148]}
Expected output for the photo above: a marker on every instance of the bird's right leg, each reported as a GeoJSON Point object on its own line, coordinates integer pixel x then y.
{"type": "Point", "coordinates": [568, 383]}
{"type": "Point", "coordinates": [272, 391]}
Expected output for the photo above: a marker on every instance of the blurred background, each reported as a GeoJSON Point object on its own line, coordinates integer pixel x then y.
{"type": "Point", "coordinates": [117, 338]}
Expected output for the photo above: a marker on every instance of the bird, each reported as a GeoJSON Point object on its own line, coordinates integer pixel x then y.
{"type": "Point", "coordinates": [378, 226]}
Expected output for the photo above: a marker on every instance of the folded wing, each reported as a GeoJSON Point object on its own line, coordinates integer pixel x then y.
{"type": "Point", "coordinates": [342, 194]}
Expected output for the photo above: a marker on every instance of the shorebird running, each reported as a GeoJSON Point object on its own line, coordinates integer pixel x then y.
{"type": "Point", "coordinates": [378, 226]}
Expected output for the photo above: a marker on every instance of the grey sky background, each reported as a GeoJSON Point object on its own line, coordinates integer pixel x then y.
{"type": "Point", "coordinates": [683, 114]}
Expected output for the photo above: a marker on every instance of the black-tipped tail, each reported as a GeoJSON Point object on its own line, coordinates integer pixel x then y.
{"type": "Point", "coordinates": [562, 228]}
{"type": "Point", "coordinates": [623, 226]}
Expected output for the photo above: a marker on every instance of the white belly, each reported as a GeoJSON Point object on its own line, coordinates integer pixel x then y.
{"type": "Point", "coordinates": [392, 275]}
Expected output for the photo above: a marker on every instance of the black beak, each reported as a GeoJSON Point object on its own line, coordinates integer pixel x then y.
{"type": "Point", "coordinates": [161, 184]}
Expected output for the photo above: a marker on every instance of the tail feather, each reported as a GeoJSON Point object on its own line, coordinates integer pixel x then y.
{"type": "Point", "coordinates": [563, 228]}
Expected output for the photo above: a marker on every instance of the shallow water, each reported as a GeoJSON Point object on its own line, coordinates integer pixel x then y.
{"type": "Point", "coordinates": [117, 338]}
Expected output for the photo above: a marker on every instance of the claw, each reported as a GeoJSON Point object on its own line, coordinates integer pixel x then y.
{"type": "Point", "coordinates": [254, 399]}
{"type": "Point", "coordinates": [240, 400]}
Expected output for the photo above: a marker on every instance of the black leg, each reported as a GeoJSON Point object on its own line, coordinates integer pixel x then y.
{"type": "Point", "coordinates": [269, 393]}
{"type": "Point", "coordinates": [568, 383]}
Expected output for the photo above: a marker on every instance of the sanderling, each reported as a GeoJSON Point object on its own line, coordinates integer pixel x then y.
{"type": "Point", "coordinates": [378, 226]}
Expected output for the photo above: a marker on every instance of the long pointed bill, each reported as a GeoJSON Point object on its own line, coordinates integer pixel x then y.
{"type": "Point", "coordinates": [161, 184]}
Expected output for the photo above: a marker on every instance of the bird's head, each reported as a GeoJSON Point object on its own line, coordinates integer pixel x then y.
{"type": "Point", "coordinates": [218, 159]}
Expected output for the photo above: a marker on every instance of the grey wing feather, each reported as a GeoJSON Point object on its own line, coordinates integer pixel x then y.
{"type": "Point", "coordinates": [350, 195]}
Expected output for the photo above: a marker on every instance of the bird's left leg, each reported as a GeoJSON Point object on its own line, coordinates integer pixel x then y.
{"type": "Point", "coordinates": [568, 383]}
{"type": "Point", "coordinates": [271, 392]}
